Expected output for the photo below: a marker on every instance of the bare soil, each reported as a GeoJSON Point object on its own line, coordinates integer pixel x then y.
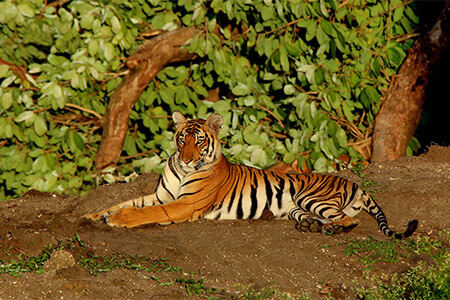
{"type": "Point", "coordinates": [229, 256]}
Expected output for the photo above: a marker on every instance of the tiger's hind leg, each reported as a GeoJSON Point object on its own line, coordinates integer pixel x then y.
{"type": "Point", "coordinates": [306, 221]}
{"type": "Point", "coordinates": [344, 224]}
{"type": "Point", "coordinates": [310, 222]}
{"type": "Point", "coordinates": [309, 225]}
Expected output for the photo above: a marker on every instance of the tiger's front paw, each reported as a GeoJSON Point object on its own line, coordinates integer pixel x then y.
{"type": "Point", "coordinates": [94, 217]}
{"type": "Point", "coordinates": [124, 217]}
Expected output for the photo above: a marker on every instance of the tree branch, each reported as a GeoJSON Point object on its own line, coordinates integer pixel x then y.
{"type": "Point", "coordinates": [144, 64]}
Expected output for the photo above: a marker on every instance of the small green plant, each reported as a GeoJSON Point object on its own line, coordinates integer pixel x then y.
{"type": "Point", "coordinates": [269, 292]}
{"type": "Point", "coordinates": [97, 264]}
{"type": "Point", "coordinates": [370, 251]}
{"type": "Point", "coordinates": [422, 281]}
{"type": "Point", "coordinates": [195, 286]}
{"type": "Point", "coordinates": [366, 184]}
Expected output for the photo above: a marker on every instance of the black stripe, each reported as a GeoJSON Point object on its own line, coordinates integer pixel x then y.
{"type": "Point", "coordinates": [159, 200]}
{"type": "Point", "coordinates": [233, 194]}
{"type": "Point", "coordinates": [163, 184]}
{"type": "Point", "coordinates": [322, 210]}
{"type": "Point", "coordinates": [191, 181]}
{"type": "Point", "coordinates": [187, 194]}
{"type": "Point", "coordinates": [292, 188]}
{"type": "Point", "coordinates": [253, 196]}
{"type": "Point", "coordinates": [309, 203]}
{"type": "Point", "coordinates": [239, 212]}
{"type": "Point", "coordinates": [280, 189]}
{"type": "Point", "coordinates": [269, 191]}
{"type": "Point", "coordinates": [355, 189]}
{"type": "Point", "coordinates": [289, 176]}
{"type": "Point", "coordinates": [174, 171]}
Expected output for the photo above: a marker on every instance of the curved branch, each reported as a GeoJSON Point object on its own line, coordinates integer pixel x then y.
{"type": "Point", "coordinates": [144, 64]}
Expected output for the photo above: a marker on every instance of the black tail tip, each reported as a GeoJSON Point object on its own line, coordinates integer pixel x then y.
{"type": "Point", "coordinates": [412, 226]}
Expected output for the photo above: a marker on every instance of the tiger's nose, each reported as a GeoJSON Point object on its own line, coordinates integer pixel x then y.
{"type": "Point", "coordinates": [186, 160]}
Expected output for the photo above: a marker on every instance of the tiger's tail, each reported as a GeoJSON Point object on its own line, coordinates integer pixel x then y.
{"type": "Point", "coordinates": [375, 211]}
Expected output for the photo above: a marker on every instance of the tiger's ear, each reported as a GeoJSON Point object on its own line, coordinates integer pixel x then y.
{"type": "Point", "coordinates": [214, 122]}
{"type": "Point", "coordinates": [179, 119]}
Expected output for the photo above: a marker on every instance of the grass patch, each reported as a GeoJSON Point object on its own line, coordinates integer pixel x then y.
{"type": "Point", "coordinates": [371, 251]}
{"type": "Point", "coordinates": [23, 263]}
{"type": "Point", "coordinates": [193, 286]}
{"type": "Point", "coordinates": [270, 292]}
{"type": "Point", "coordinates": [420, 282]}
{"type": "Point", "coordinates": [98, 264]}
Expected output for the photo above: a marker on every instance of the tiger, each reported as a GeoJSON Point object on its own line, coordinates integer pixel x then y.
{"type": "Point", "coordinates": [199, 182]}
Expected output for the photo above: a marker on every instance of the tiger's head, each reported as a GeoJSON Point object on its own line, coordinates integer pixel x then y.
{"type": "Point", "coordinates": [196, 141]}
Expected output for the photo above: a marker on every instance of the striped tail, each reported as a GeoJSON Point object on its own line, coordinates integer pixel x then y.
{"type": "Point", "coordinates": [375, 211]}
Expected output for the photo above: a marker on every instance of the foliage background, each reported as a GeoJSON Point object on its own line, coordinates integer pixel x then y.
{"type": "Point", "coordinates": [299, 82]}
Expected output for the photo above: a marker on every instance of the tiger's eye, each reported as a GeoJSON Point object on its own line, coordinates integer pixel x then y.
{"type": "Point", "coordinates": [199, 141]}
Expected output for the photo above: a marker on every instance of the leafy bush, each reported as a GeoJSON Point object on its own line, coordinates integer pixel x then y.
{"type": "Point", "coordinates": [299, 81]}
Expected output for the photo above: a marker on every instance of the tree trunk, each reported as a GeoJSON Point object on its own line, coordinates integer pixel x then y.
{"type": "Point", "coordinates": [144, 64]}
{"type": "Point", "coordinates": [399, 115]}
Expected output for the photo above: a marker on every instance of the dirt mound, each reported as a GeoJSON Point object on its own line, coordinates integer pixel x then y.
{"type": "Point", "coordinates": [219, 258]}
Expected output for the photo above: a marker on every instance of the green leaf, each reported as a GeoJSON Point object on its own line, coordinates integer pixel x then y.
{"type": "Point", "coordinates": [372, 94]}
{"type": "Point", "coordinates": [109, 51]}
{"type": "Point", "coordinates": [311, 30]}
{"type": "Point", "coordinates": [50, 161]}
{"type": "Point", "coordinates": [323, 9]}
{"type": "Point", "coordinates": [3, 70]}
{"type": "Point", "coordinates": [8, 11]}
{"type": "Point", "coordinates": [319, 76]}
{"type": "Point", "coordinates": [396, 54]}
{"type": "Point", "coordinates": [87, 21]}
{"type": "Point", "coordinates": [222, 106]}
{"type": "Point", "coordinates": [241, 89]}
{"type": "Point", "coordinates": [289, 89]}
{"type": "Point", "coordinates": [40, 126]}
{"type": "Point", "coordinates": [341, 137]}
{"type": "Point", "coordinates": [309, 70]}
{"type": "Point", "coordinates": [320, 164]}
{"type": "Point", "coordinates": [7, 100]}
{"type": "Point", "coordinates": [284, 60]}
{"type": "Point", "coordinates": [7, 81]}
{"type": "Point", "coordinates": [326, 27]}
{"type": "Point", "coordinates": [109, 178]}
{"type": "Point", "coordinates": [93, 47]}
{"type": "Point", "coordinates": [78, 140]}
{"type": "Point", "coordinates": [253, 138]}
{"type": "Point", "coordinates": [398, 13]}
{"type": "Point", "coordinates": [267, 13]}
{"type": "Point", "coordinates": [115, 25]}
{"type": "Point", "coordinates": [26, 115]}
{"type": "Point", "coordinates": [293, 49]}
{"type": "Point", "coordinates": [347, 111]}
{"type": "Point", "coordinates": [56, 60]}
{"type": "Point", "coordinates": [26, 10]}
{"type": "Point", "coordinates": [288, 158]}
{"type": "Point", "coordinates": [376, 67]}
{"type": "Point", "coordinates": [249, 101]}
